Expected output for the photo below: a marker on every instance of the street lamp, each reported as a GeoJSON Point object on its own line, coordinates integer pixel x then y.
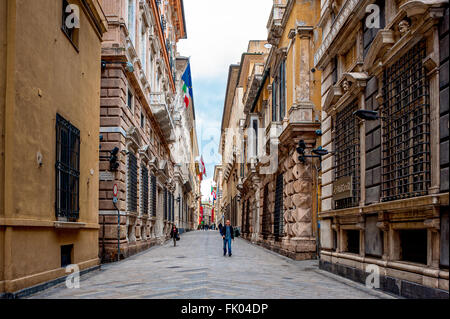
{"type": "Point", "coordinates": [367, 115]}
{"type": "Point", "coordinates": [321, 151]}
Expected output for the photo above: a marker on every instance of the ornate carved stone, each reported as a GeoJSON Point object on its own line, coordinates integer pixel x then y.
{"type": "Point", "coordinates": [404, 26]}
{"type": "Point", "coordinates": [346, 86]}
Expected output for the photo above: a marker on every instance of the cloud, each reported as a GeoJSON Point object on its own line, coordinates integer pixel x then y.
{"type": "Point", "coordinates": [218, 33]}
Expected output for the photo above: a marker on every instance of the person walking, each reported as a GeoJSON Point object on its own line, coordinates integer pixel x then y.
{"type": "Point", "coordinates": [220, 228]}
{"type": "Point", "coordinates": [227, 233]}
{"type": "Point", "coordinates": [174, 235]}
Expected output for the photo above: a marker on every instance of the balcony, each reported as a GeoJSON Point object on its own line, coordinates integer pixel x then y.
{"type": "Point", "coordinates": [160, 110]}
{"type": "Point", "coordinates": [253, 87]}
{"type": "Point", "coordinates": [274, 26]}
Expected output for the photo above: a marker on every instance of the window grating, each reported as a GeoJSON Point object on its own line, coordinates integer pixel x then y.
{"type": "Point", "coordinates": [266, 224]}
{"type": "Point", "coordinates": [67, 169]}
{"type": "Point", "coordinates": [144, 190]}
{"type": "Point", "coordinates": [153, 198]}
{"type": "Point", "coordinates": [247, 217]}
{"type": "Point", "coordinates": [406, 127]}
{"type": "Point", "coordinates": [132, 183]}
{"type": "Point", "coordinates": [347, 157]}
{"type": "Point", "coordinates": [165, 204]}
{"type": "Point", "coordinates": [244, 225]}
{"type": "Point", "coordinates": [279, 209]}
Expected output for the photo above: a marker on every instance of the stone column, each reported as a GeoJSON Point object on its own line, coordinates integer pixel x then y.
{"type": "Point", "coordinates": [256, 224]}
{"type": "Point", "coordinates": [303, 109]}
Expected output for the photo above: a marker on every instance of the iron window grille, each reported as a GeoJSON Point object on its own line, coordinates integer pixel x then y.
{"type": "Point", "coordinates": [132, 183]}
{"type": "Point", "coordinates": [347, 157]}
{"type": "Point", "coordinates": [144, 190]}
{"type": "Point", "coordinates": [171, 204]}
{"type": "Point", "coordinates": [153, 195]}
{"type": "Point", "coordinates": [279, 209]}
{"type": "Point", "coordinates": [266, 224]}
{"type": "Point", "coordinates": [67, 169]}
{"type": "Point", "coordinates": [247, 217]}
{"type": "Point", "coordinates": [406, 165]}
{"type": "Point", "coordinates": [234, 216]}
{"type": "Point", "coordinates": [165, 204]}
{"type": "Point", "coordinates": [244, 225]}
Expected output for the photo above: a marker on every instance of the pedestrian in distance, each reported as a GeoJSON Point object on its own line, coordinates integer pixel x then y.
{"type": "Point", "coordinates": [227, 235]}
{"type": "Point", "coordinates": [174, 235]}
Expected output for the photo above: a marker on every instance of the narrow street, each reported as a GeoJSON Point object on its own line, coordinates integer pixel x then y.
{"type": "Point", "coordinates": [196, 269]}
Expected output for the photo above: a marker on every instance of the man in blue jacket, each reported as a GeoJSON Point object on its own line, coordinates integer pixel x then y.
{"type": "Point", "coordinates": [227, 233]}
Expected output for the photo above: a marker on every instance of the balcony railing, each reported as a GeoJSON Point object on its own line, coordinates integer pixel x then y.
{"type": "Point", "coordinates": [160, 110]}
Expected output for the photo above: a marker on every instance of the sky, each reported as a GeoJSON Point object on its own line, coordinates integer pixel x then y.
{"type": "Point", "coordinates": [218, 33]}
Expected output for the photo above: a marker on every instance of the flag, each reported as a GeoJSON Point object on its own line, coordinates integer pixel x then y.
{"type": "Point", "coordinates": [203, 168]}
{"type": "Point", "coordinates": [187, 86]}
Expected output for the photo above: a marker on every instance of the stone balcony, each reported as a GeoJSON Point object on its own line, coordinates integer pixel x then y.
{"type": "Point", "coordinates": [253, 87]}
{"type": "Point", "coordinates": [274, 26]}
{"type": "Point", "coordinates": [160, 110]}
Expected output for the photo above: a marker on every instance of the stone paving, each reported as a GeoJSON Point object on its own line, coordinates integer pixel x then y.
{"type": "Point", "coordinates": [196, 269]}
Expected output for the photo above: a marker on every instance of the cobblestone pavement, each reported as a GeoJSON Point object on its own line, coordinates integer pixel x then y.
{"type": "Point", "coordinates": [196, 269]}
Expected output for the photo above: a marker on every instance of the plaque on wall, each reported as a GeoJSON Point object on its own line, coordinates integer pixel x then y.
{"type": "Point", "coordinates": [343, 188]}
{"type": "Point", "coordinates": [106, 176]}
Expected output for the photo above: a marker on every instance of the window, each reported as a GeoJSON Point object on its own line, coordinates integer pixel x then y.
{"type": "Point", "coordinates": [413, 245]}
{"type": "Point", "coordinates": [334, 74]}
{"type": "Point", "coordinates": [172, 204]}
{"type": "Point", "coordinates": [247, 217]}
{"type": "Point", "coordinates": [144, 190]}
{"type": "Point", "coordinates": [255, 130]}
{"type": "Point", "coordinates": [279, 209]}
{"type": "Point", "coordinates": [66, 255]}
{"type": "Point", "coordinates": [70, 22]}
{"type": "Point", "coordinates": [130, 99]}
{"type": "Point", "coordinates": [153, 196]}
{"type": "Point", "coordinates": [67, 169]}
{"type": "Point", "coordinates": [370, 33]}
{"type": "Point", "coordinates": [266, 224]}
{"type": "Point", "coordinates": [279, 94]}
{"type": "Point", "coordinates": [143, 46]}
{"type": "Point", "coordinates": [351, 241]}
{"type": "Point", "coordinates": [165, 205]}
{"type": "Point", "coordinates": [346, 143]}
{"type": "Point", "coordinates": [132, 20]}
{"type": "Point", "coordinates": [406, 127]}
{"type": "Point", "coordinates": [132, 183]}
{"type": "Point", "coordinates": [142, 120]}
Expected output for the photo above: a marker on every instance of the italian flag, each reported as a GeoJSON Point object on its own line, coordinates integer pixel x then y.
{"type": "Point", "coordinates": [187, 85]}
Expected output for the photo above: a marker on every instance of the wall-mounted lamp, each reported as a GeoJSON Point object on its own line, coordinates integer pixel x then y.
{"type": "Point", "coordinates": [321, 151]}
{"type": "Point", "coordinates": [367, 115]}
{"type": "Point", "coordinates": [128, 65]}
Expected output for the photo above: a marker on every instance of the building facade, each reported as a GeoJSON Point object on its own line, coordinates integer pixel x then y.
{"type": "Point", "coordinates": [385, 183]}
{"type": "Point", "coordinates": [142, 116]}
{"type": "Point", "coordinates": [281, 106]}
{"type": "Point", "coordinates": [49, 119]}
{"type": "Point", "coordinates": [217, 178]}
{"type": "Point", "coordinates": [185, 150]}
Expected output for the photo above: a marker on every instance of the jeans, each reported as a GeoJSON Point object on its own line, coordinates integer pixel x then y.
{"type": "Point", "coordinates": [225, 242]}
